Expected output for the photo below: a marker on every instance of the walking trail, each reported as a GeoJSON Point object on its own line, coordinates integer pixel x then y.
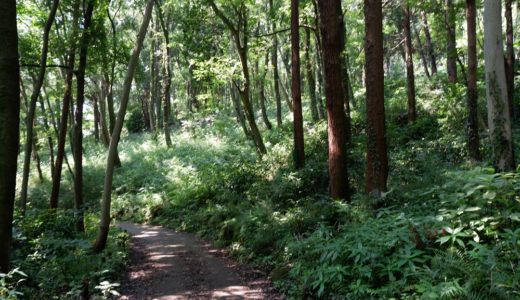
{"type": "Point", "coordinates": [169, 265]}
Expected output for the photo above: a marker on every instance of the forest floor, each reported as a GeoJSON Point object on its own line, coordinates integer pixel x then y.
{"type": "Point", "coordinates": [172, 265]}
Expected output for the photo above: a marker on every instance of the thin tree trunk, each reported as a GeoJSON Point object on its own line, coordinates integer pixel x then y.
{"type": "Point", "coordinates": [238, 110]}
{"type": "Point", "coordinates": [429, 45]}
{"type": "Point", "coordinates": [9, 125]}
{"type": "Point", "coordinates": [412, 111]}
{"type": "Point", "coordinates": [35, 155]}
{"type": "Point", "coordinates": [65, 112]}
{"type": "Point", "coordinates": [32, 105]}
{"type": "Point", "coordinates": [78, 118]}
{"type": "Point", "coordinates": [276, 75]}
{"type": "Point", "coordinates": [299, 152]}
{"type": "Point", "coordinates": [376, 167]}
{"type": "Point", "coordinates": [105, 135]}
{"type": "Point", "coordinates": [309, 72]}
{"type": "Point", "coordinates": [104, 225]}
{"type": "Point", "coordinates": [510, 58]}
{"type": "Point", "coordinates": [332, 31]}
{"type": "Point", "coordinates": [167, 78]}
{"type": "Point", "coordinates": [451, 46]}
{"type": "Point", "coordinates": [49, 135]}
{"type": "Point", "coordinates": [472, 98]}
{"type": "Point", "coordinates": [421, 52]}
{"type": "Point", "coordinates": [499, 120]}
{"type": "Point", "coordinates": [95, 107]}
{"type": "Point", "coordinates": [319, 58]}
{"type": "Point", "coordinates": [241, 42]}
{"type": "Point", "coordinates": [262, 94]}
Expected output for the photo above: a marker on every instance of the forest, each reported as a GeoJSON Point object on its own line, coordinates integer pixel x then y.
{"type": "Point", "coordinates": [259, 149]}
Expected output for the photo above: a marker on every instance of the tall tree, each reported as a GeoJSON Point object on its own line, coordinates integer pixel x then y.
{"type": "Point", "coordinates": [77, 139]}
{"type": "Point", "coordinates": [261, 87]}
{"type": "Point", "coordinates": [299, 152]}
{"type": "Point", "coordinates": [309, 72]}
{"type": "Point", "coordinates": [472, 97]}
{"type": "Point", "coordinates": [410, 77]}
{"type": "Point", "coordinates": [104, 224]}
{"type": "Point", "coordinates": [499, 119]}
{"type": "Point", "coordinates": [276, 75]}
{"type": "Point", "coordinates": [9, 125]}
{"type": "Point", "coordinates": [240, 34]}
{"type": "Point", "coordinates": [332, 32]}
{"type": "Point", "coordinates": [510, 57]}
{"type": "Point", "coordinates": [451, 44]}
{"type": "Point", "coordinates": [32, 104]}
{"type": "Point", "coordinates": [167, 76]}
{"type": "Point", "coordinates": [376, 168]}
{"type": "Point", "coordinates": [65, 111]}
{"type": "Point", "coordinates": [429, 44]}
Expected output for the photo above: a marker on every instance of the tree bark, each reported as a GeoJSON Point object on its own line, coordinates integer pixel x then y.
{"type": "Point", "coordinates": [276, 75]}
{"type": "Point", "coordinates": [451, 44]}
{"type": "Point", "coordinates": [422, 53]}
{"type": "Point", "coordinates": [472, 97]}
{"type": "Point", "coordinates": [104, 225]}
{"type": "Point", "coordinates": [95, 107]}
{"type": "Point", "coordinates": [410, 77]}
{"type": "Point", "coordinates": [376, 168]}
{"type": "Point", "coordinates": [167, 77]}
{"type": "Point", "coordinates": [9, 125]}
{"type": "Point", "coordinates": [299, 152]}
{"type": "Point", "coordinates": [499, 120]}
{"type": "Point", "coordinates": [32, 105]}
{"type": "Point", "coordinates": [78, 118]}
{"type": "Point", "coordinates": [262, 94]}
{"type": "Point", "coordinates": [309, 72]}
{"type": "Point", "coordinates": [429, 44]}
{"type": "Point", "coordinates": [332, 31]}
{"type": "Point", "coordinates": [319, 59]}
{"type": "Point", "coordinates": [510, 58]}
{"type": "Point", "coordinates": [65, 112]}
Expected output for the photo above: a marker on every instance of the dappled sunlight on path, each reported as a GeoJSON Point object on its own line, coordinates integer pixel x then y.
{"type": "Point", "coordinates": [169, 265]}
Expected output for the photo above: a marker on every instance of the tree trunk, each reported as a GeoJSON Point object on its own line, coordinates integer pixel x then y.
{"type": "Point", "coordinates": [473, 137]}
{"type": "Point", "coordinates": [104, 225]}
{"type": "Point", "coordinates": [309, 72]}
{"type": "Point", "coordinates": [66, 109]}
{"type": "Point", "coordinates": [299, 152]}
{"type": "Point", "coordinates": [429, 45]}
{"type": "Point", "coordinates": [276, 75]}
{"type": "Point", "coordinates": [167, 78]}
{"type": "Point", "coordinates": [332, 31]}
{"type": "Point", "coordinates": [376, 168]}
{"type": "Point", "coordinates": [422, 53]}
{"type": "Point", "coordinates": [412, 111]}
{"type": "Point", "coordinates": [451, 44]}
{"type": "Point", "coordinates": [49, 135]}
{"type": "Point", "coordinates": [238, 110]}
{"type": "Point", "coordinates": [110, 88]}
{"type": "Point", "coordinates": [105, 135]}
{"type": "Point", "coordinates": [78, 118]}
{"type": "Point", "coordinates": [95, 107]}
{"type": "Point", "coordinates": [9, 125]}
{"type": "Point", "coordinates": [32, 105]}
{"type": "Point", "coordinates": [510, 58]}
{"type": "Point", "coordinates": [262, 94]}
{"type": "Point", "coordinates": [499, 120]}
{"type": "Point", "coordinates": [241, 43]}
{"type": "Point", "coordinates": [319, 59]}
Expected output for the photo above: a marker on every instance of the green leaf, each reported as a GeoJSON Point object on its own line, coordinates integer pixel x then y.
{"type": "Point", "coordinates": [489, 195]}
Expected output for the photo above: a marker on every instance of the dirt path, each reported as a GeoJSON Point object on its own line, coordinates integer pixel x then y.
{"type": "Point", "coordinates": [169, 265]}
